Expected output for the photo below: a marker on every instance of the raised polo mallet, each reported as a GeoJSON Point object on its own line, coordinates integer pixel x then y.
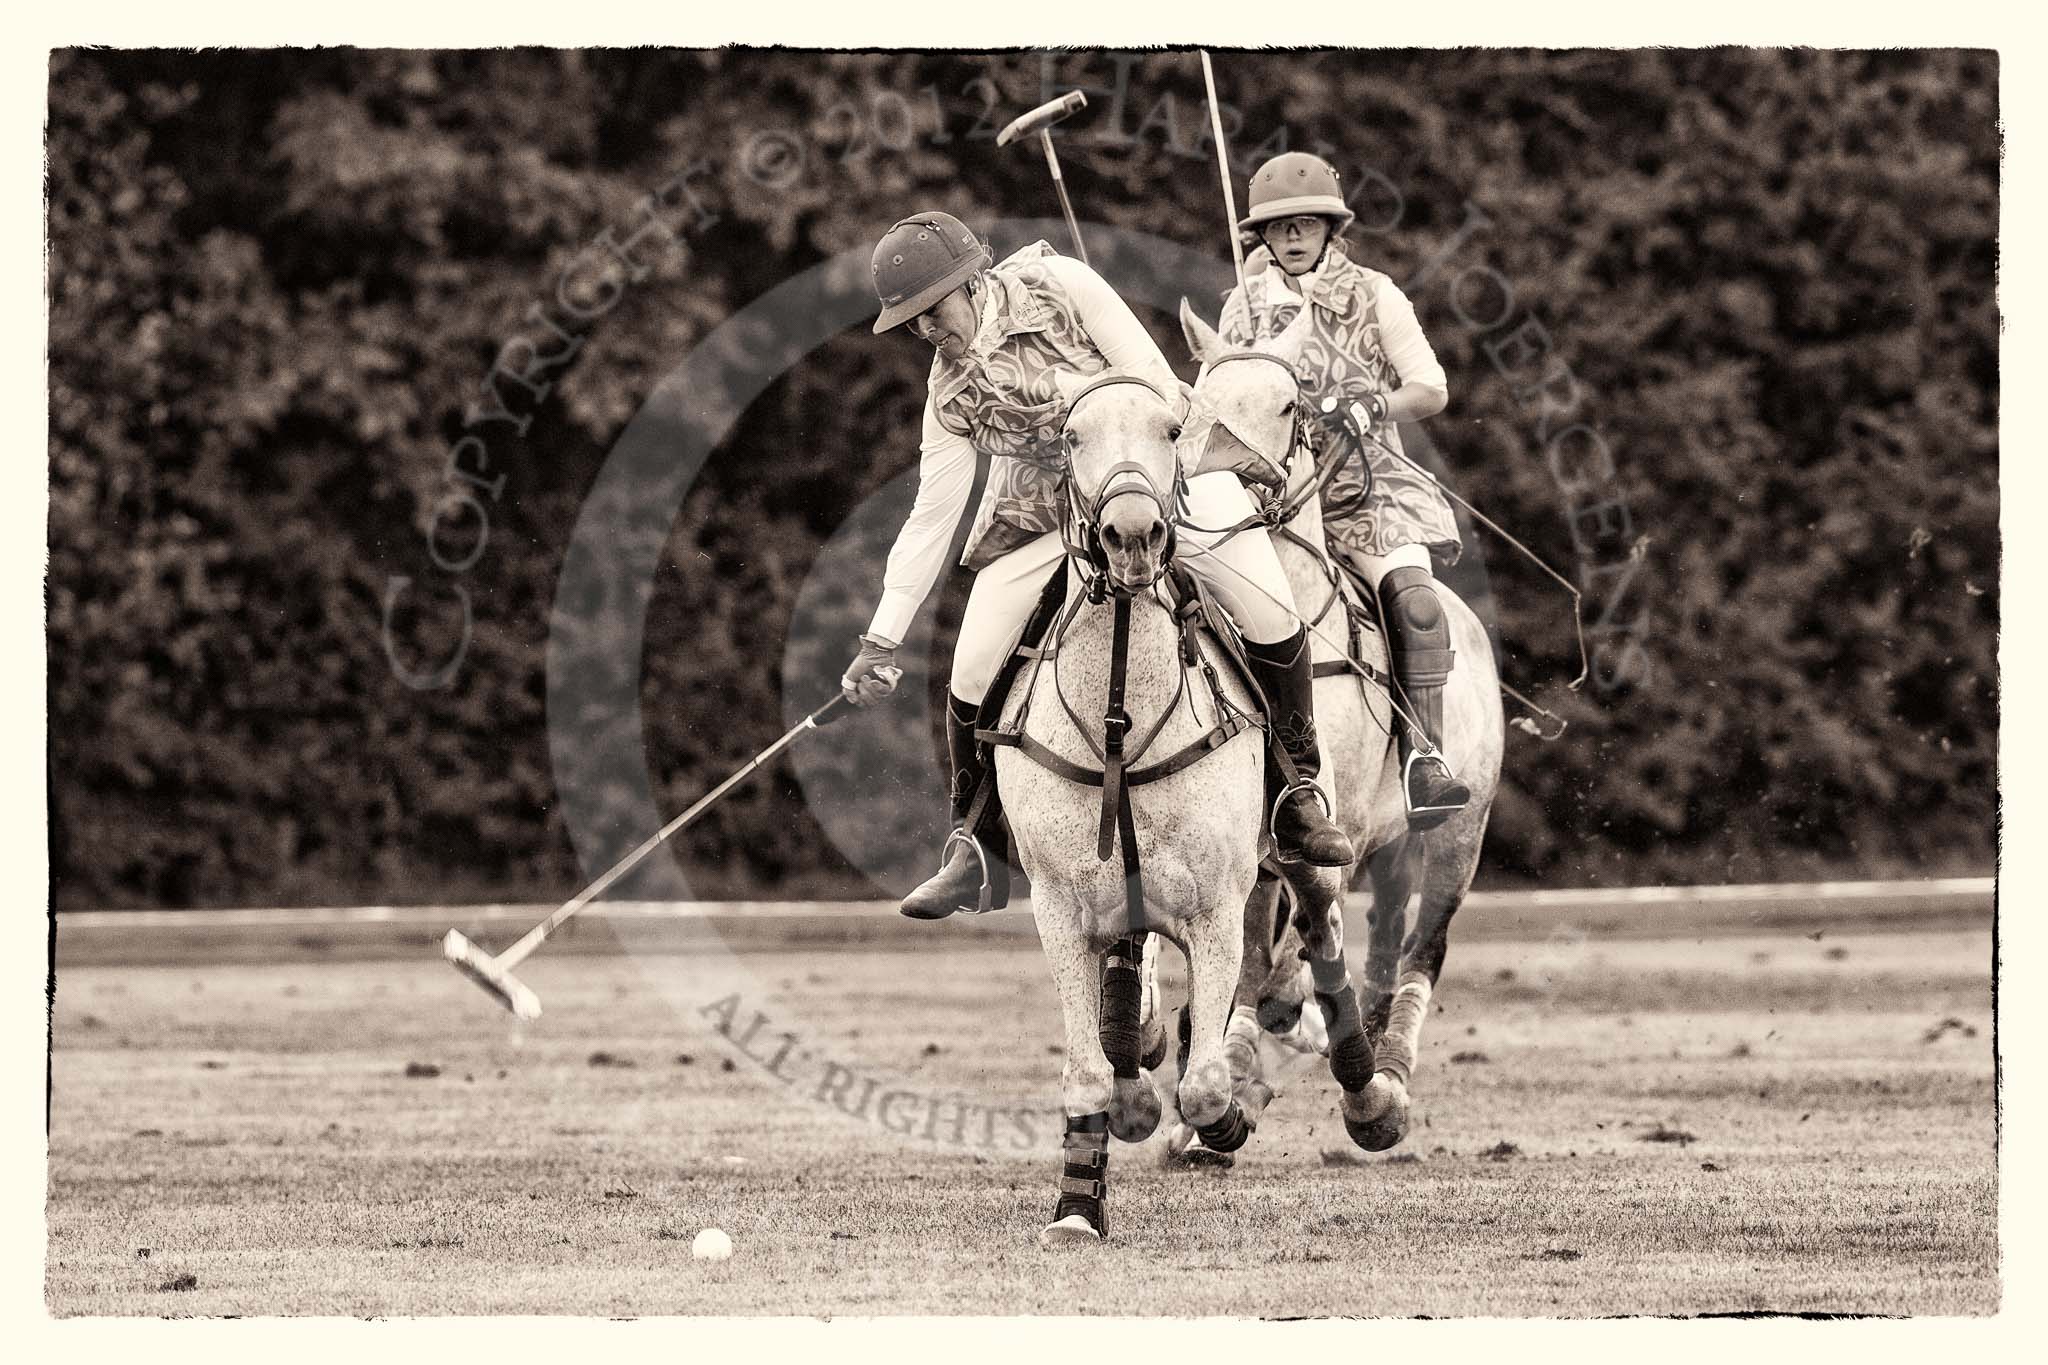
{"type": "Point", "coordinates": [494, 974]}
{"type": "Point", "coordinates": [1040, 121]}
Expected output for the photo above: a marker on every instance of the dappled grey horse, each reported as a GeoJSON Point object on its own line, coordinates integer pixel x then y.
{"type": "Point", "coordinates": [1119, 835]}
{"type": "Point", "coordinates": [1294, 935]}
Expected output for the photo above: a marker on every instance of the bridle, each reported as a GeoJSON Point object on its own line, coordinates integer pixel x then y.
{"type": "Point", "coordinates": [1276, 507]}
{"type": "Point", "coordinates": [1125, 476]}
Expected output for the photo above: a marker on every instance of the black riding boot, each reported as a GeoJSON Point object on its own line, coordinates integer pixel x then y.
{"type": "Point", "coordinates": [1419, 639]}
{"type": "Point", "coordinates": [958, 883]}
{"type": "Point", "coordinates": [1301, 829]}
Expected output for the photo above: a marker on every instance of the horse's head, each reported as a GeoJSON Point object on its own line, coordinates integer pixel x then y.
{"type": "Point", "coordinates": [1123, 475]}
{"type": "Point", "coordinates": [1249, 402]}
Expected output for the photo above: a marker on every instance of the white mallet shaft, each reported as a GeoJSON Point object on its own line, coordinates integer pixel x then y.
{"type": "Point", "coordinates": [538, 935]}
{"type": "Point", "coordinates": [1223, 165]}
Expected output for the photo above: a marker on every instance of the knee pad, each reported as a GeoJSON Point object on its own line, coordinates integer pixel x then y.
{"type": "Point", "coordinates": [1419, 634]}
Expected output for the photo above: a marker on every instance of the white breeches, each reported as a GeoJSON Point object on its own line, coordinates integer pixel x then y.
{"type": "Point", "coordinates": [1242, 572]}
{"type": "Point", "coordinates": [1375, 567]}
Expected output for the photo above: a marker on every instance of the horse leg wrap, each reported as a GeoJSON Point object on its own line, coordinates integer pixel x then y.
{"type": "Point", "coordinates": [1404, 1026]}
{"type": "Point", "coordinates": [1084, 1180]}
{"type": "Point", "coordinates": [1350, 1051]}
{"type": "Point", "coordinates": [1228, 1133]}
{"type": "Point", "coordinates": [1122, 999]}
{"type": "Point", "coordinates": [1241, 1043]}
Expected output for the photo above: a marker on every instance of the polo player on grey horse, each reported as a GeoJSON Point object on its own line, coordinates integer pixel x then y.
{"type": "Point", "coordinates": [1002, 333]}
{"type": "Point", "coordinates": [1364, 345]}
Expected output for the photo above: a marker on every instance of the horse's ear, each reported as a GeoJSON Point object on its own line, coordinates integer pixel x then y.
{"type": "Point", "coordinates": [1287, 343]}
{"type": "Point", "coordinates": [1070, 382]}
{"type": "Point", "coordinates": [1204, 344]}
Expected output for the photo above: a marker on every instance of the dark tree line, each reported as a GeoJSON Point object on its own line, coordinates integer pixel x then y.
{"type": "Point", "coordinates": [286, 286]}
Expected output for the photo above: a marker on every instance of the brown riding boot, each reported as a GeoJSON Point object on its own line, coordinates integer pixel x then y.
{"type": "Point", "coordinates": [1302, 828]}
{"type": "Point", "coordinates": [969, 865]}
{"type": "Point", "coordinates": [1419, 640]}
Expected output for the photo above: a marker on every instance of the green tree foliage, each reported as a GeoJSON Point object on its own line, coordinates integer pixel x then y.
{"type": "Point", "coordinates": [280, 282]}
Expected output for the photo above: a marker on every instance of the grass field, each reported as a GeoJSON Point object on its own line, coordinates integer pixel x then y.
{"type": "Point", "coordinates": [1729, 1122]}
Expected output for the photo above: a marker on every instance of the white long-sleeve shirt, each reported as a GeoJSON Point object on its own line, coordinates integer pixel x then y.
{"type": "Point", "coordinates": [946, 465]}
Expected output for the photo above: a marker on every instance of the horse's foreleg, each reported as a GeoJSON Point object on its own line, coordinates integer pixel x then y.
{"type": "Point", "coordinates": [1450, 858]}
{"type": "Point", "coordinates": [1261, 926]}
{"type": "Point", "coordinates": [1151, 1021]}
{"type": "Point", "coordinates": [1086, 1084]}
{"type": "Point", "coordinates": [1377, 1117]}
{"type": "Point", "coordinates": [1134, 1107]}
{"type": "Point", "coordinates": [1320, 916]}
{"type": "Point", "coordinates": [1391, 873]}
{"type": "Point", "coordinates": [1215, 946]}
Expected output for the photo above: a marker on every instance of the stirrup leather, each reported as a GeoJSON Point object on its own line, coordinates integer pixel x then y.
{"type": "Point", "coordinates": [961, 836]}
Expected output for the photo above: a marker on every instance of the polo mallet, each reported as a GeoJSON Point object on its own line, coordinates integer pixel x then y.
{"type": "Point", "coordinates": [1040, 121]}
{"type": "Point", "coordinates": [1223, 165]}
{"type": "Point", "coordinates": [494, 974]}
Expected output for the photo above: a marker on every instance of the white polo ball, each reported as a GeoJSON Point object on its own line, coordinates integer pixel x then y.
{"type": "Point", "coordinates": [711, 1245]}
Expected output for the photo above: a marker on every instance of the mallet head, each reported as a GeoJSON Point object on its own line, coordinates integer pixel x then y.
{"type": "Point", "coordinates": [1043, 117]}
{"type": "Point", "coordinates": [480, 967]}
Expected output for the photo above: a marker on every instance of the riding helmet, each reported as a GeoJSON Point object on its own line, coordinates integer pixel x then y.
{"type": "Point", "coordinates": [921, 260]}
{"type": "Point", "coordinates": [1292, 184]}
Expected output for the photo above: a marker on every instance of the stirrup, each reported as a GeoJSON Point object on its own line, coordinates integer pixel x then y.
{"type": "Point", "coordinates": [1273, 815]}
{"type": "Point", "coordinates": [1305, 784]}
{"type": "Point", "coordinates": [988, 892]}
{"type": "Point", "coordinates": [1425, 817]}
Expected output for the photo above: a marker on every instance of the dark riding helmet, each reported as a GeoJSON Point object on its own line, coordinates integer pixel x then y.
{"type": "Point", "coordinates": [921, 260]}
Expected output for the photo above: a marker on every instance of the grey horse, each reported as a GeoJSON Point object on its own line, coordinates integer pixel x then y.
{"type": "Point", "coordinates": [1195, 828]}
{"type": "Point", "coordinates": [1294, 935]}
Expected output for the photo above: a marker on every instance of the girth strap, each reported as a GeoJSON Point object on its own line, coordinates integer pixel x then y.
{"type": "Point", "coordinates": [1186, 757]}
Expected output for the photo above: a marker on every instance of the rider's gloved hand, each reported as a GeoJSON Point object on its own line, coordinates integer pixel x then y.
{"type": "Point", "coordinates": [1356, 418]}
{"type": "Point", "coordinates": [873, 674]}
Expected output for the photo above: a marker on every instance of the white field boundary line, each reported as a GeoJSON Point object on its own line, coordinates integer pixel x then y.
{"type": "Point", "coordinates": [1966, 890]}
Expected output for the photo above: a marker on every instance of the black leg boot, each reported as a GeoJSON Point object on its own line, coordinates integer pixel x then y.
{"type": "Point", "coordinates": [958, 885]}
{"type": "Point", "coordinates": [1302, 831]}
{"type": "Point", "coordinates": [1419, 638]}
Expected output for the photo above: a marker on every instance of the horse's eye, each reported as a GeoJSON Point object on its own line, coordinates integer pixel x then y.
{"type": "Point", "coordinates": [1173, 432]}
{"type": "Point", "coordinates": [1288, 411]}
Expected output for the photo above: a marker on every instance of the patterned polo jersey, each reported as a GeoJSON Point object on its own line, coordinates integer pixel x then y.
{"type": "Point", "coordinates": [1004, 401]}
{"type": "Point", "coordinates": [1345, 356]}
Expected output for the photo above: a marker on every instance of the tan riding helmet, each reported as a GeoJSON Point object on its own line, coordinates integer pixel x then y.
{"type": "Point", "coordinates": [1292, 184]}
{"type": "Point", "coordinates": [922, 259]}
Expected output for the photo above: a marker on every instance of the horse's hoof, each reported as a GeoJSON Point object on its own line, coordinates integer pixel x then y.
{"type": "Point", "coordinates": [1133, 1110]}
{"type": "Point", "coordinates": [1377, 1117]}
{"type": "Point", "coordinates": [1071, 1231]}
